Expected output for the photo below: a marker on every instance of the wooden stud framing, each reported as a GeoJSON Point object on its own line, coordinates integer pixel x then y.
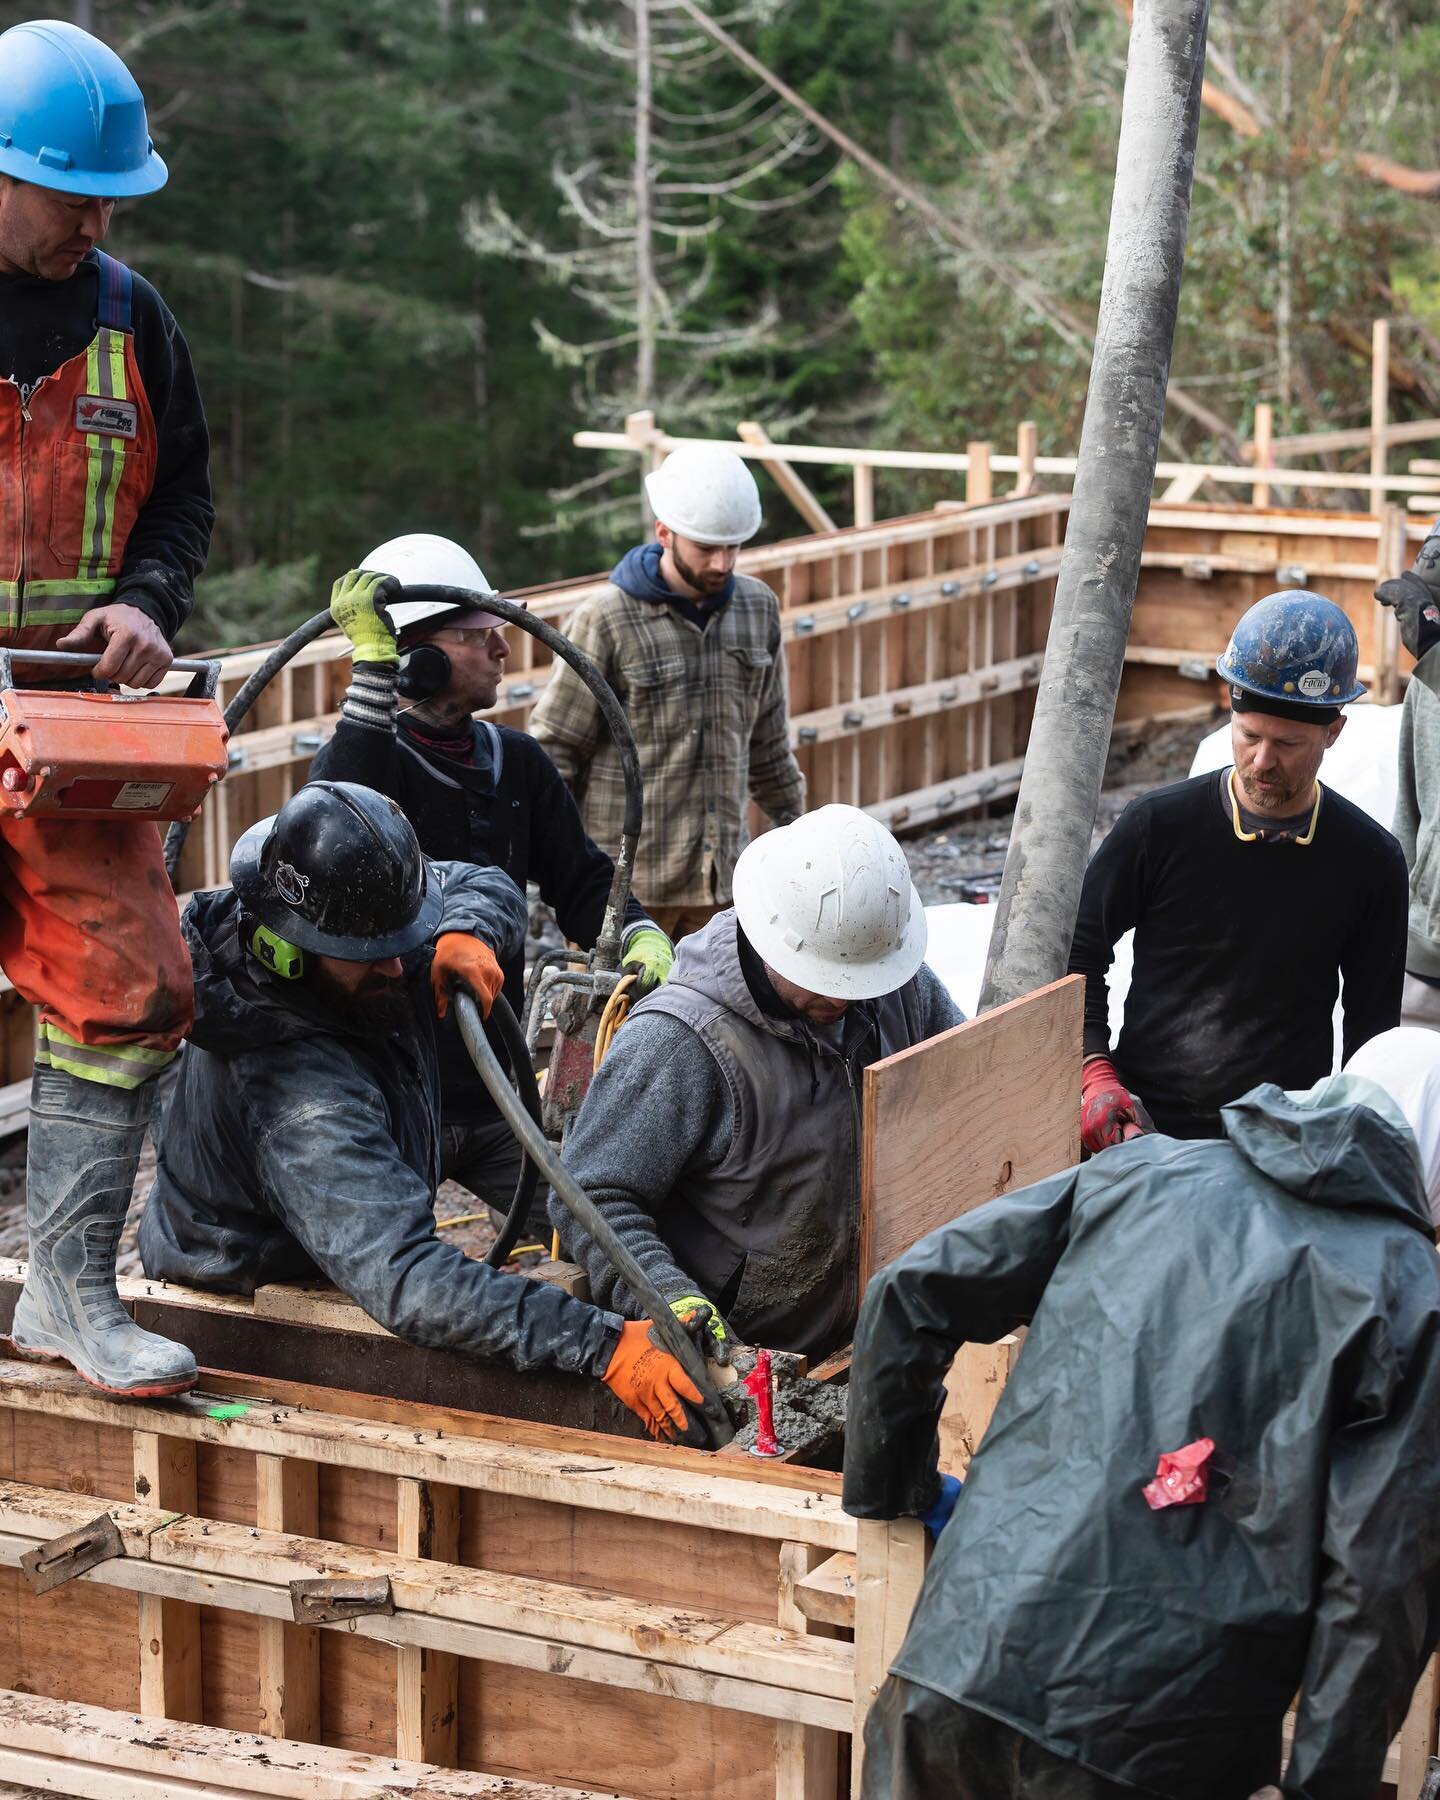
{"type": "Point", "coordinates": [287, 1500]}
{"type": "Point", "coordinates": [427, 1681]}
{"type": "Point", "coordinates": [168, 1631]}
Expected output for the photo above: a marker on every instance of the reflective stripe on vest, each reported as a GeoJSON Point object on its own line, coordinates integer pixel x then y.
{"type": "Point", "coordinates": [79, 491]}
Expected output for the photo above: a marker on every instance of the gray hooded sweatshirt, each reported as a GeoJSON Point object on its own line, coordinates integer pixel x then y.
{"type": "Point", "coordinates": [724, 1146]}
{"type": "Point", "coordinates": [1417, 812]}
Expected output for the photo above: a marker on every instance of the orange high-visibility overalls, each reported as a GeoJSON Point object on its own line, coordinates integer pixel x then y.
{"type": "Point", "coordinates": [88, 927]}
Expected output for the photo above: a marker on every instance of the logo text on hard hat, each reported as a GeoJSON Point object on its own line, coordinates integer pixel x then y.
{"type": "Point", "coordinates": [290, 884]}
{"type": "Point", "coordinates": [1313, 683]}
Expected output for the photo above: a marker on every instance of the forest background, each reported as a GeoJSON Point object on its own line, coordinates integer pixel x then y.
{"type": "Point", "coordinates": [414, 244]}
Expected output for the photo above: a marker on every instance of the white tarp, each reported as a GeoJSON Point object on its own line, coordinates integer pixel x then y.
{"type": "Point", "coordinates": [1361, 766]}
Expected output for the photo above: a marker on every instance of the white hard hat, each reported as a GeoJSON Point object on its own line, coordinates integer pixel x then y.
{"type": "Point", "coordinates": [829, 904]}
{"type": "Point", "coordinates": [706, 494]}
{"type": "Point", "coordinates": [420, 559]}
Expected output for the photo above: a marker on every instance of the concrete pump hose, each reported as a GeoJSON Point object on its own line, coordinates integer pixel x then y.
{"type": "Point", "coordinates": [668, 1329]}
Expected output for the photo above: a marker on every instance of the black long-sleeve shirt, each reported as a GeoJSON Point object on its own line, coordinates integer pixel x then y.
{"type": "Point", "coordinates": [1240, 949]}
{"type": "Point", "coordinates": [45, 323]}
{"type": "Point", "coordinates": [507, 807]}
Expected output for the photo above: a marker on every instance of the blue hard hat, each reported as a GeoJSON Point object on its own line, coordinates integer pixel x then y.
{"type": "Point", "coordinates": [71, 114]}
{"type": "Point", "coordinates": [1296, 647]}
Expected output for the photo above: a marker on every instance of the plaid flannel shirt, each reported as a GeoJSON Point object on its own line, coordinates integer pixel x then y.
{"type": "Point", "coordinates": [708, 709]}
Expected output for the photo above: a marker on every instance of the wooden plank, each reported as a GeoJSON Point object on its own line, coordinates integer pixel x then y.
{"type": "Point", "coordinates": [863, 489]}
{"type": "Point", "coordinates": [467, 1612]}
{"type": "Point", "coordinates": [287, 1500]}
{"type": "Point", "coordinates": [984, 1108]}
{"type": "Point", "coordinates": [1418, 1740]}
{"type": "Point", "coordinates": [427, 1681]}
{"type": "Point", "coordinates": [807, 1760]}
{"type": "Point", "coordinates": [68, 1747]}
{"type": "Point", "coordinates": [168, 1631]}
{"type": "Point", "coordinates": [890, 1558]}
{"type": "Point", "coordinates": [973, 1388]}
{"type": "Point", "coordinates": [788, 482]}
{"type": "Point", "coordinates": [1264, 450]}
{"type": "Point", "coordinates": [942, 799]}
{"type": "Point", "coordinates": [604, 1483]}
{"type": "Point", "coordinates": [827, 1592]}
{"type": "Point", "coordinates": [979, 483]}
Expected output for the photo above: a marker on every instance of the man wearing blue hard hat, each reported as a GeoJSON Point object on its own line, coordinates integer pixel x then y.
{"type": "Point", "coordinates": [104, 465]}
{"type": "Point", "coordinates": [1253, 896]}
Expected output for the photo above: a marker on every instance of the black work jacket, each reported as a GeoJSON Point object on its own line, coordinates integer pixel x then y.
{"type": "Point", "coordinates": [1277, 1291]}
{"type": "Point", "coordinates": [512, 810]}
{"type": "Point", "coordinates": [296, 1146]}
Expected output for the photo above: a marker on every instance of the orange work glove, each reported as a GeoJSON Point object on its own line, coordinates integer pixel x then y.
{"type": "Point", "coordinates": [460, 957]}
{"type": "Point", "coordinates": [650, 1381]}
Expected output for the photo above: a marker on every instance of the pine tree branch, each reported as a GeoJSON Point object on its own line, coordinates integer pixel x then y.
{"type": "Point", "coordinates": [1066, 325]}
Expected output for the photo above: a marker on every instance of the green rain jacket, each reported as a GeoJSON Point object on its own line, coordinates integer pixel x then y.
{"type": "Point", "coordinates": [1277, 1290]}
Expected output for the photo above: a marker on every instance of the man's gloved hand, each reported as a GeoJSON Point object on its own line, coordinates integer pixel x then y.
{"type": "Point", "coordinates": [357, 605]}
{"type": "Point", "coordinates": [1415, 598]}
{"type": "Point", "coordinates": [938, 1517]}
{"type": "Point", "coordinates": [689, 1305]}
{"type": "Point", "coordinates": [462, 958]}
{"type": "Point", "coordinates": [1109, 1112]}
{"type": "Point", "coordinates": [650, 1382]}
{"type": "Point", "coordinates": [647, 952]}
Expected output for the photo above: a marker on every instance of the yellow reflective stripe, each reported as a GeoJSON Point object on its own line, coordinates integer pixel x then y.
{"type": "Point", "coordinates": [116, 344]}
{"type": "Point", "coordinates": [92, 460]}
{"type": "Point", "coordinates": [9, 590]}
{"type": "Point", "coordinates": [145, 1053]}
{"type": "Point", "coordinates": [112, 1065]}
{"type": "Point", "coordinates": [38, 590]}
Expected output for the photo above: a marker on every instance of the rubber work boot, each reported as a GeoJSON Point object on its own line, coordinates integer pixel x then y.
{"type": "Point", "coordinates": [85, 1140]}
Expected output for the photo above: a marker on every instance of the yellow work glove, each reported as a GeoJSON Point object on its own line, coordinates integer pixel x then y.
{"type": "Point", "coordinates": [357, 605]}
{"type": "Point", "coordinates": [647, 953]}
{"type": "Point", "coordinates": [688, 1305]}
{"type": "Point", "coordinates": [466, 960]}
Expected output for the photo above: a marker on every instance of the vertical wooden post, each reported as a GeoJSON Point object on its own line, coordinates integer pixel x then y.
{"type": "Point", "coordinates": [1264, 453]}
{"type": "Point", "coordinates": [890, 1558]}
{"type": "Point", "coordinates": [864, 477]}
{"type": "Point", "coordinates": [1419, 1739]}
{"type": "Point", "coordinates": [1027, 448]}
{"type": "Point", "coordinates": [1379, 404]}
{"type": "Point", "coordinates": [427, 1682]}
{"type": "Point", "coordinates": [287, 1499]}
{"type": "Point", "coordinates": [979, 490]}
{"type": "Point", "coordinates": [169, 1630]}
{"type": "Point", "coordinates": [1390, 558]}
{"type": "Point", "coordinates": [807, 1758]}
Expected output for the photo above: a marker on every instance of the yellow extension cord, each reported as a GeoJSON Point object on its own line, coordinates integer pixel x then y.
{"type": "Point", "coordinates": [617, 1011]}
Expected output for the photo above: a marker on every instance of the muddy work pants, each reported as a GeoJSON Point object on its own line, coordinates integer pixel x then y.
{"type": "Point", "coordinates": [920, 1745]}
{"type": "Point", "coordinates": [89, 934]}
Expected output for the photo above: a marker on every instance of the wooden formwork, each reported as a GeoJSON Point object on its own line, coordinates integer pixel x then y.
{"type": "Point", "coordinates": [573, 1607]}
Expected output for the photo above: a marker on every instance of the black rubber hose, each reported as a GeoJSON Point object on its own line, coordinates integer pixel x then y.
{"type": "Point", "coordinates": [607, 945]}
{"type": "Point", "coordinates": [503, 1024]}
{"type": "Point", "coordinates": [238, 708]}
{"type": "Point", "coordinates": [668, 1329]}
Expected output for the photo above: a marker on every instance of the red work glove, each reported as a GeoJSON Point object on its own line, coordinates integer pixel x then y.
{"type": "Point", "coordinates": [1109, 1112]}
{"type": "Point", "coordinates": [650, 1381]}
{"type": "Point", "coordinates": [462, 958]}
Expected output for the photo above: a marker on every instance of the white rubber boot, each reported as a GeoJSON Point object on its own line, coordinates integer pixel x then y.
{"type": "Point", "coordinates": [85, 1141]}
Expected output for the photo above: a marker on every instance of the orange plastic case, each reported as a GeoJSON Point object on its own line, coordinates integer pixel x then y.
{"type": "Point", "coordinates": [107, 756]}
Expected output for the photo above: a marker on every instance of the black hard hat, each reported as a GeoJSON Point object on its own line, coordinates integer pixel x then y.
{"type": "Point", "coordinates": [338, 871]}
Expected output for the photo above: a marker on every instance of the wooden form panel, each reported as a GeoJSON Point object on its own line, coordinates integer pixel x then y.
{"type": "Point", "coordinates": [551, 1625]}
{"type": "Point", "coordinates": [982, 1109]}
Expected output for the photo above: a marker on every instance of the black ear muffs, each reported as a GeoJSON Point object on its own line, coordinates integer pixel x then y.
{"type": "Point", "coordinates": [423, 672]}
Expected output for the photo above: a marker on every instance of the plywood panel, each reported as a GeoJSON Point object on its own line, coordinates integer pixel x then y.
{"type": "Point", "coordinates": [680, 1565]}
{"type": "Point", "coordinates": [976, 1112]}
{"type": "Point", "coordinates": [519, 1722]}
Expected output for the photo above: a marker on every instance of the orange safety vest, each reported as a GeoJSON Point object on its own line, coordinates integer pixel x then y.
{"type": "Point", "coordinates": [77, 462]}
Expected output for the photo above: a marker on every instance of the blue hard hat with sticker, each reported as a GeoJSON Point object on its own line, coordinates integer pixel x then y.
{"type": "Point", "coordinates": [72, 116]}
{"type": "Point", "coordinates": [1296, 647]}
